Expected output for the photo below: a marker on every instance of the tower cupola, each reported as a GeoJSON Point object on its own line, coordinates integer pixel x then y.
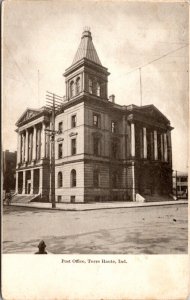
{"type": "Point", "coordinates": [86, 74]}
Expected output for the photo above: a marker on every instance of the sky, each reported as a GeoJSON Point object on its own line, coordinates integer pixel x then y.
{"type": "Point", "coordinates": [45, 35]}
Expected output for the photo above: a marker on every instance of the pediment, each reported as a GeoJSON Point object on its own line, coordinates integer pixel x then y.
{"type": "Point", "coordinates": [27, 115]}
{"type": "Point", "coordinates": [154, 113]}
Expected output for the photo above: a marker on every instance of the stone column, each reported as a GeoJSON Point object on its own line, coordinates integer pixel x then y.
{"type": "Point", "coordinates": [144, 143]}
{"type": "Point", "coordinates": [32, 182]}
{"type": "Point", "coordinates": [26, 146]}
{"type": "Point", "coordinates": [34, 144]}
{"type": "Point", "coordinates": [24, 183]}
{"type": "Point", "coordinates": [43, 141]}
{"type": "Point", "coordinates": [162, 147]}
{"type": "Point", "coordinates": [18, 148]}
{"type": "Point", "coordinates": [155, 145]}
{"type": "Point", "coordinates": [21, 148]}
{"type": "Point", "coordinates": [165, 148]}
{"type": "Point", "coordinates": [41, 181]}
{"type": "Point", "coordinates": [170, 146]}
{"type": "Point", "coordinates": [16, 187]}
{"type": "Point", "coordinates": [125, 182]}
{"type": "Point", "coordinates": [82, 83]}
{"type": "Point", "coordinates": [132, 139]}
{"type": "Point", "coordinates": [133, 182]}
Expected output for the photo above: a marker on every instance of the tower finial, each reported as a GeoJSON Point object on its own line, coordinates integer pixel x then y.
{"type": "Point", "coordinates": [86, 28]}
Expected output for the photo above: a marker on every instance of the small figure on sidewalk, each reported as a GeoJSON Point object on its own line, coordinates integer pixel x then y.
{"type": "Point", "coordinates": [41, 247]}
{"type": "Point", "coordinates": [8, 198]}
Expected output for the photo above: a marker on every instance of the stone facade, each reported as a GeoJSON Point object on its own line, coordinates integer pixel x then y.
{"type": "Point", "coordinates": [103, 151]}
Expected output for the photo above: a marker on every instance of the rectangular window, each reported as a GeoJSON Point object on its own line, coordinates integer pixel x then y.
{"type": "Point", "coordinates": [73, 147]}
{"type": "Point", "coordinates": [114, 149]}
{"type": "Point", "coordinates": [73, 121]}
{"type": "Point", "coordinates": [113, 126]}
{"type": "Point", "coordinates": [96, 146]}
{"type": "Point", "coordinates": [60, 150]}
{"type": "Point", "coordinates": [72, 199]}
{"type": "Point", "coordinates": [96, 120]}
{"type": "Point", "coordinates": [60, 127]}
{"type": "Point", "coordinates": [183, 179]}
{"type": "Point", "coordinates": [90, 86]}
{"type": "Point", "coordinates": [96, 178]}
{"type": "Point", "coordinates": [59, 199]}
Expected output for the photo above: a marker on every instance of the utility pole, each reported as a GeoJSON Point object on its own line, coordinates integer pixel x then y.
{"type": "Point", "coordinates": [140, 87]}
{"type": "Point", "coordinates": [176, 184]}
{"type": "Point", "coordinates": [54, 103]}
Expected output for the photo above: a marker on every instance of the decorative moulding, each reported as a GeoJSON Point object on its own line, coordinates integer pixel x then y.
{"type": "Point", "coordinates": [73, 134]}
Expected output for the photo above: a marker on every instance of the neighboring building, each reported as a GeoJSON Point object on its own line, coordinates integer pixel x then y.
{"type": "Point", "coordinates": [180, 184]}
{"type": "Point", "coordinates": [9, 171]}
{"type": "Point", "coordinates": [104, 151]}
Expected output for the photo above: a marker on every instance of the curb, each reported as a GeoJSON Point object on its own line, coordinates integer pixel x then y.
{"type": "Point", "coordinates": [100, 208]}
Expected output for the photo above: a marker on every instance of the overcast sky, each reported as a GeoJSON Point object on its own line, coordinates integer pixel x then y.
{"type": "Point", "coordinates": [45, 35]}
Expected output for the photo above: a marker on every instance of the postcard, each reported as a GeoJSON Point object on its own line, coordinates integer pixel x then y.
{"type": "Point", "coordinates": [95, 150]}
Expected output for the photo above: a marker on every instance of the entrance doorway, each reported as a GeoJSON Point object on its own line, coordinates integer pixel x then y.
{"type": "Point", "coordinates": [28, 187]}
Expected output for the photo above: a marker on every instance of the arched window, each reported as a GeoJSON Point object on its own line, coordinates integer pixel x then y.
{"type": "Point", "coordinates": [60, 180]}
{"type": "Point", "coordinates": [78, 86]}
{"type": "Point", "coordinates": [72, 89]}
{"type": "Point", "coordinates": [90, 86]}
{"type": "Point", "coordinates": [97, 89]}
{"type": "Point", "coordinates": [73, 178]}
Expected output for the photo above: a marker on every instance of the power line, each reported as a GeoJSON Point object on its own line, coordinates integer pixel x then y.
{"type": "Point", "coordinates": [156, 59]}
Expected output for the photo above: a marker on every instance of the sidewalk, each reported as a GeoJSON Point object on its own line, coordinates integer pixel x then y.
{"type": "Point", "coordinates": [96, 206]}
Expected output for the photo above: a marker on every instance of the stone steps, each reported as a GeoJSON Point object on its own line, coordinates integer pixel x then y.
{"type": "Point", "coordinates": [23, 198]}
{"type": "Point", "coordinates": [157, 198]}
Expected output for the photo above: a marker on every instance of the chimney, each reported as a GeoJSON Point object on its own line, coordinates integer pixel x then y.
{"type": "Point", "coordinates": [112, 98]}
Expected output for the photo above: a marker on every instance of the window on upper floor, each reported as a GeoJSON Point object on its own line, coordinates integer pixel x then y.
{"type": "Point", "coordinates": [73, 178]}
{"type": "Point", "coordinates": [114, 149]}
{"type": "Point", "coordinates": [96, 120]}
{"type": "Point", "coordinates": [72, 89]}
{"type": "Point", "coordinates": [113, 126]}
{"type": "Point", "coordinates": [96, 178]}
{"type": "Point", "coordinates": [60, 150]}
{"type": "Point", "coordinates": [90, 86]}
{"type": "Point", "coordinates": [59, 180]}
{"type": "Point", "coordinates": [60, 127]}
{"type": "Point", "coordinates": [78, 88]}
{"type": "Point", "coordinates": [96, 146]}
{"type": "Point", "coordinates": [183, 179]}
{"type": "Point", "coordinates": [73, 121]}
{"type": "Point", "coordinates": [73, 147]}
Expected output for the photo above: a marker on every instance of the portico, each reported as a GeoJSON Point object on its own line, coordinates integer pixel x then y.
{"type": "Point", "coordinates": [33, 153]}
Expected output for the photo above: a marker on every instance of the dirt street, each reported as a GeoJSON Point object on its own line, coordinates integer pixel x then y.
{"type": "Point", "coordinates": [139, 230]}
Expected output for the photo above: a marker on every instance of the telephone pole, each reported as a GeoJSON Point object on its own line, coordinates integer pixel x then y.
{"type": "Point", "coordinates": [140, 86]}
{"type": "Point", "coordinates": [54, 103]}
{"type": "Point", "coordinates": [176, 184]}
